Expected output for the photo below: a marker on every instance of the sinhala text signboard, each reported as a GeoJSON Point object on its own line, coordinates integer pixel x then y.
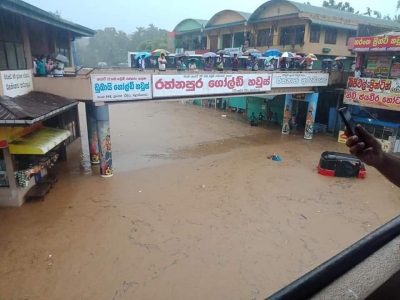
{"type": "Point", "coordinates": [209, 84]}
{"type": "Point", "coordinates": [121, 87]}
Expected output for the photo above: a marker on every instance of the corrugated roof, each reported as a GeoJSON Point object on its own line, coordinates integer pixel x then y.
{"type": "Point", "coordinates": [329, 12]}
{"type": "Point", "coordinates": [22, 8]}
{"type": "Point", "coordinates": [307, 8]}
{"type": "Point", "coordinates": [244, 15]}
{"type": "Point", "coordinates": [201, 23]}
{"type": "Point", "coordinates": [31, 106]}
{"type": "Point", "coordinates": [334, 24]}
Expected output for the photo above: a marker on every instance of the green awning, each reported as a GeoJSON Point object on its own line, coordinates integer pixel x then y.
{"type": "Point", "coordinates": [334, 25]}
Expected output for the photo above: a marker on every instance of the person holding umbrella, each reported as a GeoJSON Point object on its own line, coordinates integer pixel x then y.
{"type": "Point", "coordinates": [235, 63]}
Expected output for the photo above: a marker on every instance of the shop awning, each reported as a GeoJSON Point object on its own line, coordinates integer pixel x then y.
{"type": "Point", "coordinates": [40, 141]}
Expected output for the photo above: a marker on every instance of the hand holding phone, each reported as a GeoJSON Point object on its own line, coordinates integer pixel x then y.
{"type": "Point", "coordinates": [348, 120]}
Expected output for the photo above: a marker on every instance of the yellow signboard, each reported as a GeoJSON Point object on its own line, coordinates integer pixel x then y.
{"type": "Point", "coordinates": [371, 99]}
{"type": "Point", "coordinates": [386, 145]}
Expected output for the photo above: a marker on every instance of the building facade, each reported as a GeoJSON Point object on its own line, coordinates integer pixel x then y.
{"type": "Point", "coordinates": [283, 25]}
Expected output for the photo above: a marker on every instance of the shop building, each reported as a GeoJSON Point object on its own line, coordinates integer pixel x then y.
{"type": "Point", "coordinates": [37, 129]}
{"type": "Point", "coordinates": [374, 98]}
{"type": "Point", "coordinates": [283, 25]}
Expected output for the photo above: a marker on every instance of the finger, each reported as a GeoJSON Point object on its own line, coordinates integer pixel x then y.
{"type": "Point", "coordinates": [357, 149]}
{"type": "Point", "coordinates": [351, 141]}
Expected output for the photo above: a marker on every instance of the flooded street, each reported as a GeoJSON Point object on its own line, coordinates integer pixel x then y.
{"type": "Point", "coordinates": [195, 210]}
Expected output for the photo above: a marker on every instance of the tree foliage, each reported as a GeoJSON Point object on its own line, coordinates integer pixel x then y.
{"type": "Point", "coordinates": [112, 46]}
{"type": "Point", "coordinates": [368, 12]}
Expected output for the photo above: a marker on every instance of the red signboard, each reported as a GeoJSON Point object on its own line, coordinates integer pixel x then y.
{"type": "Point", "coordinates": [377, 43]}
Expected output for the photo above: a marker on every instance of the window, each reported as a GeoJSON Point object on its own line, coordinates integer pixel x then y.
{"type": "Point", "coordinates": [265, 37]}
{"type": "Point", "coordinates": [299, 34]}
{"type": "Point", "coordinates": [19, 49]}
{"type": "Point", "coordinates": [315, 34]}
{"type": "Point", "coordinates": [330, 36]}
{"type": "Point", "coordinates": [11, 56]}
{"type": "Point", "coordinates": [284, 37]}
{"type": "Point", "coordinates": [350, 34]}
{"type": "Point", "coordinates": [3, 57]}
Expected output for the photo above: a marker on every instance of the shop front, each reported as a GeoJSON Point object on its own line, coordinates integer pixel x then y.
{"type": "Point", "coordinates": [27, 156]}
{"type": "Point", "coordinates": [375, 104]}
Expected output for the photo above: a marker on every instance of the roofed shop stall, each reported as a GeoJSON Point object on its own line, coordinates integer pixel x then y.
{"type": "Point", "coordinates": [35, 130]}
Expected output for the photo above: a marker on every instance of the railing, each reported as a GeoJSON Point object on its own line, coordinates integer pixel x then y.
{"type": "Point", "coordinates": [354, 273]}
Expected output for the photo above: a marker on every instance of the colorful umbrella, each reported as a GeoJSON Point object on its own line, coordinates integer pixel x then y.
{"type": "Point", "coordinates": [158, 52]}
{"type": "Point", "coordinates": [306, 59]}
{"type": "Point", "coordinates": [251, 51]}
{"type": "Point", "coordinates": [287, 55]}
{"type": "Point", "coordinates": [340, 57]}
{"type": "Point", "coordinates": [269, 58]}
{"type": "Point", "coordinates": [140, 54]}
{"type": "Point", "coordinates": [297, 56]}
{"type": "Point", "coordinates": [209, 54]}
{"type": "Point", "coordinates": [272, 53]}
{"type": "Point", "coordinates": [312, 56]}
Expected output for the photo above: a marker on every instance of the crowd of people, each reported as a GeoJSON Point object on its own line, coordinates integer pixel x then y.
{"type": "Point", "coordinates": [44, 66]}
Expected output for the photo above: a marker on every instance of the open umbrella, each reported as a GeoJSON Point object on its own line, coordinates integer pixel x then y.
{"type": "Point", "coordinates": [251, 51]}
{"type": "Point", "coordinates": [307, 60]}
{"type": "Point", "coordinates": [60, 58]}
{"type": "Point", "coordinates": [340, 57]}
{"type": "Point", "coordinates": [272, 53]}
{"type": "Point", "coordinates": [287, 55]}
{"type": "Point", "coordinates": [328, 59]}
{"type": "Point", "coordinates": [158, 52]}
{"type": "Point", "coordinates": [182, 55]}
{"type": "Point", "coordinates": [269, 58]}
{"type": "Point", "coordinates": [297, 56]}
{"type": "Point", "coordinates": [311, 56]}
{"type": "Point", "coordinates": [256, 54]}
{"type": "Point", "coordinates": [224, 52]}
{"type": "Point", "coordinates": [209, 54]}
{"type": "Point", "coordinates": [140, 54]}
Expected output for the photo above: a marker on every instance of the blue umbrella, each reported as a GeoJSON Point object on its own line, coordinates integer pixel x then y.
{"type": "Point", "coordinates": [256, 54]}
{"type": "Point", "coordinates": [272, 52]}
{"type": "Point", "coordinates": [140, 54]}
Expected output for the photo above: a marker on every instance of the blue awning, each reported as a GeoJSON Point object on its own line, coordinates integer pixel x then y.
{"type": "Point", "coordinates": [376, 122]}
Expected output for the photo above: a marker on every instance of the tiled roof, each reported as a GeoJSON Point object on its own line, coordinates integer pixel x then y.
{"type": "Point", "coordinates": [31, 106]}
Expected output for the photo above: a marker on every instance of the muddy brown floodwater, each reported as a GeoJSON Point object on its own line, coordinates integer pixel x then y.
{"type": "Point", "coordinates": [153, 232]}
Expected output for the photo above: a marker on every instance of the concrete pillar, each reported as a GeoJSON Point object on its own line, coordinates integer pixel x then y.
{"type": "Point", "coordinates": [287, 112]}
{"type": "Point", "coordinates": [312, 109]}
{"type": "Point", "coordinates": [101, 132]}
{"type": "Point", "coordinates": [92, 134]}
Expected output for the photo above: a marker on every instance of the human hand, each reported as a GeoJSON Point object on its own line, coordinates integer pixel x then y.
{"type": "Point", "coordinates": [365, 147]}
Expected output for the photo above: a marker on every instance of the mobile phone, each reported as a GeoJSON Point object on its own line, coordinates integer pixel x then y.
{"type": "Point", "coordinates": [348, 121]}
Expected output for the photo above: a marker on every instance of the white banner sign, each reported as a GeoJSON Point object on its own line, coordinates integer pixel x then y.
{"type": "Point", "coordinates": [287, 79]}
{"type": "Point", "coordinates": [125, 87]}
{"type": "Point", "coordinates": [16, 83]}
{"type": "Point", "coordinates": [209, 84]}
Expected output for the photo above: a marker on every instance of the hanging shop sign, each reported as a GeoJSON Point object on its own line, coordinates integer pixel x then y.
{"type": "Point", "coordinates": [287, 80]}
{"type": "Point", "coordinates": [209, 84]}
{"type": "Point", "coordinates": [377, 43]}
{"type": "Point", "coordinates": [127, 87]}
{"type": "Point", "coordinates": [387, 86]}
{"type": "Point", "coordinates": [16, 83]}
{"type": "Point", "coordinates": [371, 99]}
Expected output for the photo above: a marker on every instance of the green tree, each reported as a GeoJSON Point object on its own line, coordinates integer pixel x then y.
{"type": "Point", "coordinates": [339, 6]}
{"type": "Point", "coordinates": [112, 46]}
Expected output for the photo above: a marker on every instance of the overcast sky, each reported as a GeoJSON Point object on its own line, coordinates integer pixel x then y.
{"type": "Point", "coordinates": [125, 15]}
